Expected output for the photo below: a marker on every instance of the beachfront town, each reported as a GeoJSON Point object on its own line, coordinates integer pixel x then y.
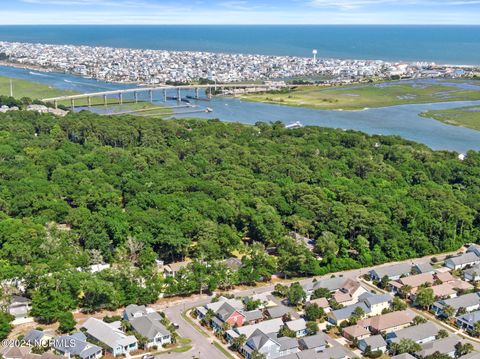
{"type": "Point", "coordinates": [159, 67]}
{"type": "Point", "coordinates": [422, 308]}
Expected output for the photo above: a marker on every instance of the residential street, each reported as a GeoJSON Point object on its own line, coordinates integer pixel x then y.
{"type": "Point", "coordinates": [203, 347]}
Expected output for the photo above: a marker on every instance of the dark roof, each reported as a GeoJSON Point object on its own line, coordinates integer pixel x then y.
{"type": "Point", "coordinates": [278, 311]}
{"type": "Point", "coordinates": [314, 341]}
{"type": "Point", "coordinates": [225, 311]}
{"type": "Point", "coordinates": [148, 327]}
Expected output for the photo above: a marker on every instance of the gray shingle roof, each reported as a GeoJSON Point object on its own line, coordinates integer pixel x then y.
{"type": "Point", "coordinates": [392, 270]}
{"type": "Point", "coordinates": [466, 258]}
{"type": "Point", "coordinates": [443, 346]}
{"type": "Point", "coordinates": [34, 336]}
{"type": "Point", "coordinates": [314, 341]}
{"type": "Point", "coordinates": [345, 313]}
{"type": "Point", "coordinates": [134, 309]}
{"type": "Point", "coordinates": [278, 311]}
{"type": "Point", "coordinates": [225, 311]}
{"type": "Point", "coordinates": [107, 333]}
{"type": "Point", "coordinates": [76, 345]}
{"type": "Point", "coordinates": [415, 332]}
{"type": "Point", "coordinates": [257, 340]}
{"type": "Point", "coordinates": [464, 301]}
{"type": "Point", "coordinates": [471, 318]}
{"type": "Point", "coordinates": [377, 299]}
{"type": "Point", "coordinates": [375, 341]}
{"type": "Point", "coordinates": [148, 327]}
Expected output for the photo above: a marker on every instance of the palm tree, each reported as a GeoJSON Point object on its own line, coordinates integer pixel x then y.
{"type": "Point", "coordinates": [239, 342]}
{"type": "Point", "coordinates": [256, 355]}
{"type": "Point", "coordinates": [449, 311]}
{"type": "Point", "coordinates": [405, 291]}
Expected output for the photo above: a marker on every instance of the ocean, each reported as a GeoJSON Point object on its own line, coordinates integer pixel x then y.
{"type": "Point", "coordinates": [441, 44]}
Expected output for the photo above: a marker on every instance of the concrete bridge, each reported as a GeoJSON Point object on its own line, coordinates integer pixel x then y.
{"type": "Point", "coordinates": [150, 90]}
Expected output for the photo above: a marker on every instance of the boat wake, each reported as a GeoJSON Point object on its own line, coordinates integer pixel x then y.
{"type": "Point", "coordinates": [37, 74]}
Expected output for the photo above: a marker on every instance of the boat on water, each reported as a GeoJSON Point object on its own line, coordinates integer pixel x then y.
{"type": "Point", "coordinates": [296, 124]}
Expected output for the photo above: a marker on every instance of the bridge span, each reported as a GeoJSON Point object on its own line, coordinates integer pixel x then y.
{"type": "Point", "coordinates": [150, 90]}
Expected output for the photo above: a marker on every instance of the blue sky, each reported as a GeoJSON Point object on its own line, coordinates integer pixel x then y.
{"type": "Point", "coordinates": [240, 12]}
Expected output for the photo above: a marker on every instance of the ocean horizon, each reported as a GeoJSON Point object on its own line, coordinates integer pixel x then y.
{"type": "Point", "coordinates": [442, 44]}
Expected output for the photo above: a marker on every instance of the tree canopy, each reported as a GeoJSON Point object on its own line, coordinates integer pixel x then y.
{"type": "Point", "coordinates": [87, 189]}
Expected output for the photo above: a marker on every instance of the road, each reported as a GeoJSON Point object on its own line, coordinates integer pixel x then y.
{"type": "Point", "coordinates": [202, 346]}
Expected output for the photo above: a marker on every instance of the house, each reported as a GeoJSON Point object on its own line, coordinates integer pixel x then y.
{"type": "Point", "coordinates": [353, 288]}
{"type": "Point", "coordinates": [461, 285]}
{"type": "Point", "coordinates": [76, 345]}
{"type": "Point", "coordinates": [474, 248]}
{"type": "Point", "coordinates": [321, 302]}
{"type": "Point", "coordinates": [332, 284]}
{"type": "Point", "coordinates": [267, 327]}
{"type": "Point", "coordinates": [269, 346]}
{"type": "Point", "coordinates": [253, 316]}
{"type": "Point", "coordinates": [19, 306]}
{"type": "Point", "coordinates": [463, 260]}
{"type": "Point", "coordinates": [423, 268]}
{"type": "Point", "coordinates": [155, 332]}
{"type": "Point", "coordinates": [116, 341]}
{"type": "Point", "coordinates": [472, 274]}
{"type": "Point", "coordinates": [355, 332]}
{"type": "Point", "coordinates": [298, 326]}
{"type": "Point", "coordinates": [421, 333]}
{"type": "Point", "coordinates": [389, 322]}
{"type": "Point", "coordinates": [469, 301]}
{"type": "Point", "coordinates": [147, 323]}
{"type": "Point", "coordinates": [375, 343]}
{"type": "Point", "coordinates": [226, 312]}
{"type": "Point", "coordinates": [348, 286]}
{"type": "Point", "coordinates": [318, 342]}
{"type": "Point", "coordinates": [443, 346]}
{"type": "Point", "coordinates": [338, 316]}
{"type": "Point", "coordinates": [336, 352]}
{"type": "Point", "coordinates": [230, 315]}
{"type": "Point", "coordinates": [36, 338]}
{"type": "Point", "coordinates": [134, 311]}
{"type": "Point", "coordinates": [393, 272]}
{"type": "Point", "coordinates": [279, 311]}
{"type": "Point", "coordinates": [343, 298]}
{"type": "Point", "coordinates": [467, 321]}
{"type": "Point", "coordinates": [171, 270]}
{"type": "Point", "coordinates": [376, 303]}
{"type": "Point", "coordinates": [413, 281]}
{"type": "Point", "coordinates": [444, 277]}
{"type": "Point", "coordinates": [441, 291]}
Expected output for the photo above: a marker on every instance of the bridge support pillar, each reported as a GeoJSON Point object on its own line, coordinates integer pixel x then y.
{"type": "Point", "coordinates": [55, 103]}
{"type": "Point", "coordinates": [179, 95]}
{"type": "Point", "coordinates": [105, 101]}
{"type": "Point", "coordinates": [72, 104]}
{"type": "Point", "coordinates": [150, 92]}
{"type": "Point", "coordinates": [120, 98]}
{"type": "Point", "coordinates": [135, 95]}
{"type": "Point", "coordinates": [164, 95]}
{"type": "Point", "coordinates": [197, 96]}
{"type": "Point", "coordinates": [209, 95]}
{"type": "Point", "coordinates": [89, 101]}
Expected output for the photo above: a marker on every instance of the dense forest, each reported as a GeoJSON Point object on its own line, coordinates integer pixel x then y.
{"type": "Point", "coordinates": [88, 189]}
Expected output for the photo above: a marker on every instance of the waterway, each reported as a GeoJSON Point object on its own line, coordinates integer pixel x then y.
{"type": "Point", "coordinates": [401, 120]}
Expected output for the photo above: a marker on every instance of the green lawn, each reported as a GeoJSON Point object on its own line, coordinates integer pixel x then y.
{"type": "Point", "coordinates": [35, 90]}
{"type": "Point", "coordinates": [463, 116]}
{"type": "Point", "coordinates": [357, 97]}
